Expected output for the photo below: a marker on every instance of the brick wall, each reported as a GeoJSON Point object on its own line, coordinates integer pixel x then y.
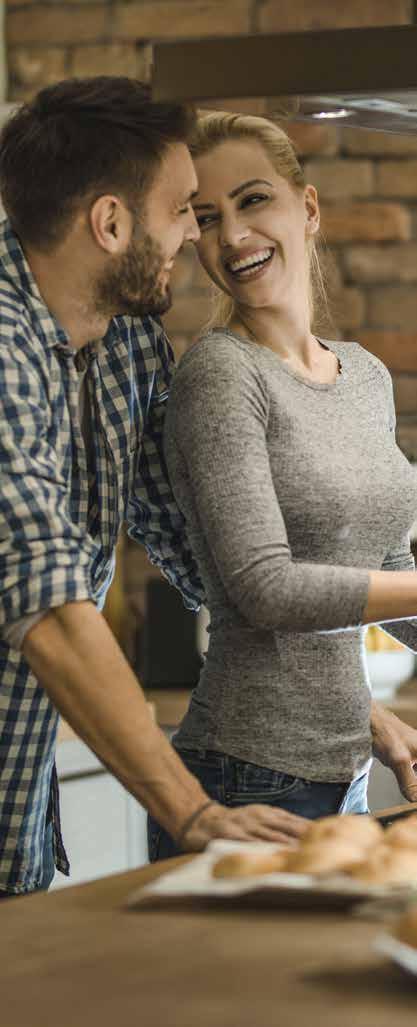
{"type": "Point", "coordinates": [367, 181]}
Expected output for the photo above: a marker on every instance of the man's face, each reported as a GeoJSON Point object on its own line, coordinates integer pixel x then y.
{"type": "Point", "coordinates": [136, 282]}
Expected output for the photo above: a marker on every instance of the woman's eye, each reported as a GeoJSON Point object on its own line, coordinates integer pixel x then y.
{"type": "Point", "coordinates": [253, 198]}
{"type": "Point", "coordinates": [205, 220]}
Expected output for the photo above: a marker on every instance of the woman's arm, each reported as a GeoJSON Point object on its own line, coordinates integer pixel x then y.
{"type": "Point", "coordinates": [217, 420]}
{"type": "Point", "coordinates": [404, 631]}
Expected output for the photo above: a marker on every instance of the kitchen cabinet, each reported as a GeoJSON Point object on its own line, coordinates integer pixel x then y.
{"type": "Point", "coordinates": [104, 828]}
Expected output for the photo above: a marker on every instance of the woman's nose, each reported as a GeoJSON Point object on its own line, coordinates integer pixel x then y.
{"type": "Point", "coordinates": [232, 232]}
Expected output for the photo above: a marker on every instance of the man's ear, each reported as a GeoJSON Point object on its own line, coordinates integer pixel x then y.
{"type": "Point", "coordinates": [110, 224]}
{"type": "Point", "coordinates": [312, 210]}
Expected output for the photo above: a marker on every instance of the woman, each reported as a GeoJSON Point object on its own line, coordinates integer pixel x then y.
{"type": "Point", "coordinates": [298, 503]}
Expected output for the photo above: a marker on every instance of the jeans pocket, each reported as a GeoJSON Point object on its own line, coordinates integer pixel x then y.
{"type": "Point", "coordinates": [258, 789]}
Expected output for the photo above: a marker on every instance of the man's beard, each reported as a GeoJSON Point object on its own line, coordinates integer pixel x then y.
{"type": "Point", "coordinates": [131, 283]}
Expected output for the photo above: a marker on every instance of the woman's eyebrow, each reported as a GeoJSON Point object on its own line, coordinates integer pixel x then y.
{"type": "Point", "coordinates": [235, 192]}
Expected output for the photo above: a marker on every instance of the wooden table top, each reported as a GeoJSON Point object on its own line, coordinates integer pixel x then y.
{"type": "Point", "coordinates": [77, 958]}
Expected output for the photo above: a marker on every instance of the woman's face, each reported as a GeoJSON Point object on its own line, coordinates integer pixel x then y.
{"type": "Point", "coordinates": [253, 224]}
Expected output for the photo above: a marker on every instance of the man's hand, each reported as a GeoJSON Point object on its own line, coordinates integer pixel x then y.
{"type": "Point", "coordinates": [246, 824]}
{"type": "Point", "coordinates": [395, 745]}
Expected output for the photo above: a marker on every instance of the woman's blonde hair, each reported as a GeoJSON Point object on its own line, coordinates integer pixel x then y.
{"type": "Point", "coordinates": [215, 127]}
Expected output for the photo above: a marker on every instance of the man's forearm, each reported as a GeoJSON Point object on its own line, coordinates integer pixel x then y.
{"type": "Point", "coordinates": [77, 660]}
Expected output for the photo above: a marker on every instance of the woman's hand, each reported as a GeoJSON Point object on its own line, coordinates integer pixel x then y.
{"type": "Point", "coordinates": [395, 745]}
{"type": "Point", "coordinates": [244, 823]}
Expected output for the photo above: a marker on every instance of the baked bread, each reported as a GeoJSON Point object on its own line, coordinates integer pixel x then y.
{"type": "Point", "coordinates": [250, 864]}
{"type": "Point", "coordinates": [387, 865]}
{"type": "Point", "coordinates": [323, 857]}
{"type": "Point", "coordinates": [406, 928]}
{"type": "Point", "coordinates": [403, 834]}
{"type": "Point", "coordinates": [355, 829]}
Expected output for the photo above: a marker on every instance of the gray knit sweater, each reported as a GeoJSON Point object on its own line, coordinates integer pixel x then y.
{"type": "Point", "coordinates": [291, 491]}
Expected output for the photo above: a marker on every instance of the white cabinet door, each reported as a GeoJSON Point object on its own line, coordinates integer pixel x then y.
{"type": "Point", "coordinates": [104, 828]}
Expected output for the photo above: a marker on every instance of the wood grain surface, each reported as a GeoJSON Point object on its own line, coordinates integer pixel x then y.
{"type": "Point", "coordinates": [77, 958]}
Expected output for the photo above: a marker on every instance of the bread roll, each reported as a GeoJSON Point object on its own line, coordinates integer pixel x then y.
{"type": "Point", "coordinates": [322, 857]}
{"type": "Point", "coordinates": [403, 834]}
{"type": "Point", "coordinates": [406, 928]}
{"type": "Point", "coordinates": [355, 829]}
{"type": "Point", "coordinates": [249, 864]}
{"type": "Point", "coordinates": [387, 865]}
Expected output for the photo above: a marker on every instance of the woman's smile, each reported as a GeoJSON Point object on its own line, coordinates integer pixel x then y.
{"type": "Point", "coordinates": [251, 266]}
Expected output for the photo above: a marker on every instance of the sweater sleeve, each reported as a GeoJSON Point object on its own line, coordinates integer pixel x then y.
{"type": "Point", "coordinates": [218, 417]}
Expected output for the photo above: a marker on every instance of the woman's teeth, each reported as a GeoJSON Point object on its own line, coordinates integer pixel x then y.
{"type": "Point", "coordinates": [246, 267]}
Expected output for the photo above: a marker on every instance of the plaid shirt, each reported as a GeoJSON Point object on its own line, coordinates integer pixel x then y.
{"type": "Point", "coordinates": [59, 526]}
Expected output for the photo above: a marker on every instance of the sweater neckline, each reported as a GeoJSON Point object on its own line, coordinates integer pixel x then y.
{"type": "Point", "coordinates": [308, 382]}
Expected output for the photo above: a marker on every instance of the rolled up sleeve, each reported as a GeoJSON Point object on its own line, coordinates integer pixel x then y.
{"type": "Point", "coordinates": [45, 556]}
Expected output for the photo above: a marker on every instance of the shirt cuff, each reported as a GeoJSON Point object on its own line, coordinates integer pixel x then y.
{"type": "Point", "coordinates": [14, 634]}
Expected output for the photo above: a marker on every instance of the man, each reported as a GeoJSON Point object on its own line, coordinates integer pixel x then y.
{"type": "Point", "coordinates": [96, 182]}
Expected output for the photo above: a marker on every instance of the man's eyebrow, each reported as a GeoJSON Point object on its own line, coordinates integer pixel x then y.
{"type": "Point", "coordinates": [235, 192]}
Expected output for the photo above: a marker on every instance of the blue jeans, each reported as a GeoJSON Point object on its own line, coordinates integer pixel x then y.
{"type": "Point", "coordinates": [236, 783]}
{"type": "Point", "coordinates": [48, 866]}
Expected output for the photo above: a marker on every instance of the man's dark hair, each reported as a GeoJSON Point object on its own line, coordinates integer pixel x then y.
{"type": "Point", "coordinates": [80, 139]}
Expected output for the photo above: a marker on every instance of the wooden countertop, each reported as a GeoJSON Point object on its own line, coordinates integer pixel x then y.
{"type": "Point", "coordinates": [77, 958]}
{"type": "Point", "coordinates": [170, 705]}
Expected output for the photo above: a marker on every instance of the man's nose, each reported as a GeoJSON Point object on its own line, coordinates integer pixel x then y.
{"type": "Point", "coordinates": [192, 233]}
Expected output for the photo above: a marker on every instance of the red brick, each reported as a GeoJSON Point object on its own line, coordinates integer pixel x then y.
{"type": "Point", "coordinates": [360, 142]}
{"type": "Point", "coordinates": [348, 309]}
{"type": "Point", "coordinates": [360, 222]}
{"type": "Point", "coordinates": [310, 140]}
{"type": "Point", "coordinates": [338, 179]}
{"type": "Point", "coordinates": [396, 178]}
{"type": "Point", "coordinates": [31, 68]}
{"type": "Point", "coordinates": [58, 24]}
{"type": "Point", "coordinates": [148, 19]}
{"type": "Point", "coordinates": [373, 264]}
{"type": "Point", "coordinates": [405, 392]}
{"type": "Point", "coordinates": [105, 59]}
{"type": "Point", "coordinates": [398, 350]}
{"type": "Point", "coordinates": [297, 15]}
{"type": "Point", "coordinates": [393, 307]}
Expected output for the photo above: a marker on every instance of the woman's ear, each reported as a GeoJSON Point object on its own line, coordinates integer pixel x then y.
{"type": "Point", "coordinates": [110, 224]}
{"type": "Point", "coordinates": [312, 210]}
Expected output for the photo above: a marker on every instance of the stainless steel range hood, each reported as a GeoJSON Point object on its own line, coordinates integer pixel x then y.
{"type": "Point", "coordinates": [358, 77]}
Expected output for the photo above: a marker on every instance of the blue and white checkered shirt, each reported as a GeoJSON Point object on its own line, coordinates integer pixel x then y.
{"type": "Point", "coordinates": [59, 523]}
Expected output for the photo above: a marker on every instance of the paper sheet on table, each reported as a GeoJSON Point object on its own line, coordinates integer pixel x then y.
{"type": "Point", "coordinates": [195, 881]}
